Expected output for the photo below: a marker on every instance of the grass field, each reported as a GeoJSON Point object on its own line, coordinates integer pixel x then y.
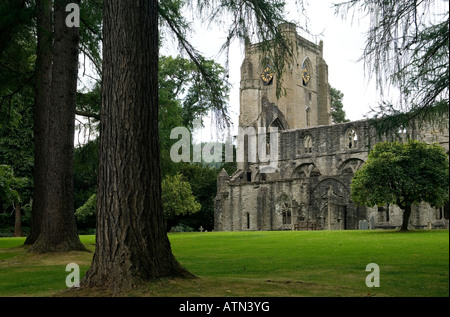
{"type": "Point", "coordinates": [269, 264]}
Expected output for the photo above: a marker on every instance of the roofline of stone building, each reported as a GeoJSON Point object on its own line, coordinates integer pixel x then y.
{"type": "Point", "coordinates": [289, 27]}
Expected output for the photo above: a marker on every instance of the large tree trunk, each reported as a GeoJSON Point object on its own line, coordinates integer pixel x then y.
{"type": "Point", "coordinates": [17, 221]}
{"type": "Point", "coordinates": [43, 79]}
{"type": "Point", "coordinates": [406, 216]}
{"type": "Point", "coordinates": [58, 229]}
{"type": "Point", "coordinates": [132, 246]}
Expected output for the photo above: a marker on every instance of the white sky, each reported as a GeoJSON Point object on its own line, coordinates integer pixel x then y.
{"type": "Point", "coordinates": [343, 45]}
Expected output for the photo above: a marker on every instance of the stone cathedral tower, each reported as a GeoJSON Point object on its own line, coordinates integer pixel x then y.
{"type": "Point", "coordinates": [307, 99]}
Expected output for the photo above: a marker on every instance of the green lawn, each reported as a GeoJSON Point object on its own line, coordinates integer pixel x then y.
{"type": "Point", "coordinates": [289, 263]}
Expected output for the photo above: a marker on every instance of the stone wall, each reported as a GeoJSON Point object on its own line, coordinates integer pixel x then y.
{"type": "Point", "coordinates": [312, 183]}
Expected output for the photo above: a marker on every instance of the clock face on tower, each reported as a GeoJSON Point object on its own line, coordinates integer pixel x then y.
{"type": "Point", "coordinates": [306, 76]}
{"type": "Point", "coordinates": [267, 75]}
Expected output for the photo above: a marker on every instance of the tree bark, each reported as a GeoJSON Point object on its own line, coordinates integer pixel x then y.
{"type": "Point", "coordinates": [43, 79]}
{"type": "Point", "coordinates": [132, 246]}
{"type": "Point", "coordinates": [406, 216]}
{"type": "Point", "coordinates": [17, 221]}
{"type": "Point", "coordinates": [58, 228]}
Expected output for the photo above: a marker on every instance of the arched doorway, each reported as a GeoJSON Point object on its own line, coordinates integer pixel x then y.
{"type": "Point", "coordinates": [330, 201]}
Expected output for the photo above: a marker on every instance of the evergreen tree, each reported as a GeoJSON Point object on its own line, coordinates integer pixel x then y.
{"type": "Point", "coordinates": [132, 246]}
{"type": "Point", "coordinates": [337, 107]}
{"type": "Point", "coordinates": [54, 157]}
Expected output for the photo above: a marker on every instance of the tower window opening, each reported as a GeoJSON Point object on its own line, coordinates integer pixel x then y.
{"type": "Point", "coordinates": [308, 144]}
{"type": "Point", "coordinates": [308, 116]}
{"type": "Point", "coordinates": [286, 211]}
{"type": "Point", "coordinates": [306, 75]}
{"type": "Point", "coordinates": [352, 139]}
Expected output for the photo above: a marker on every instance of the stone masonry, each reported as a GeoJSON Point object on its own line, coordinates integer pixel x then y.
{"type": "Point", "coordinates": [310, 188]}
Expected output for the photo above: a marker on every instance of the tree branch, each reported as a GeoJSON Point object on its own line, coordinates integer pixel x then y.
{"type": "Point", "coordinates": [91, 29]}
{"type": "Point", "coordinates": [87, 114]}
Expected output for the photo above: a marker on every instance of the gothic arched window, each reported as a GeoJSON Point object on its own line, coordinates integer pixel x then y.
{"type": "Point", "coordinates": [308, 116]}
{"type": "Point", "coordinates": [352, 139]}
{"type": "Point", "coordinates": [286, 212]}
{"type": "Point", "coordinates": [306, 72]}
{"type": "Point", "coordinates": [308, 144]}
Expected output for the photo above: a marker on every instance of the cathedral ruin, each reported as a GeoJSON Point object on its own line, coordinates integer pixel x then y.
{"type": "Point", "coordinates": [310, 188]}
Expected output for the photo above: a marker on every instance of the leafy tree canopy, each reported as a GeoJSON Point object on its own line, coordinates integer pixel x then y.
{"type": "Point", "coordinates": [181, 80]}
{"type": "Point", "coordinates": [403, 174]}
{"type": "Point", "coordinates": [177, 197]}
{"type": "Point", "coordinates": [10, 185]}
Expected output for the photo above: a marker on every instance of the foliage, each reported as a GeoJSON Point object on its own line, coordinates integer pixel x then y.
{"type": "Point", "coordinates": [407, 47]}
{"type": "Point", "coordinates": [182, 80]}
{"type": "Point", "coordinates": [203, 180]}
{"type": "Point", "coordinates": [187, 196]}
{"type": "Point", "coordinates": [17, 45]}
{"type": "Point", "coordinates": [11, 187]}
{"type": "Point", "coordinates": [403, 174]}
{"type": "Point", "coordinates": [183, 97]}
{"type": "Point", "coordinates": [88, 107]}
{"type": "Point", "coordinates": [86, 214]}
{"type": "Point", "coordinates": [177, 198]}
{"type": "Point", "coordinates": [8, 184]}
{"type": "Point", "coordinates": [85, 171]}
{"type": "Point", "coordinates": [17, 57]}
{"type": "Point", "coordinates": [16, 133]}
{"type": "Point", "coordinates": [182, 228]}
{"type": "Point", "coordinates": [337, 107]}
{"type": "Point", "coordinates": [91, 16]}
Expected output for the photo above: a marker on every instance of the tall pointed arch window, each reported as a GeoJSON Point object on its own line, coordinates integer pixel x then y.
{"type": "Point", "coordinates": [306, 72]}
{"type": "Point", "coordinates": [308, 116]}
{"type": "Point", "coordinates": [286, 213]}
{"type": "Point", "coordinates": [307, 142]}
